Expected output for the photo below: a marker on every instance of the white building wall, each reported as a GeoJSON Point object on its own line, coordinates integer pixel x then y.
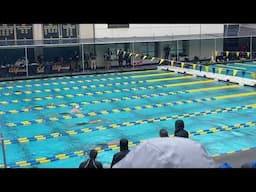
{"type": "Point", "coordinates": [212, 28]}
{"type": "Point", "coordinates": [38, 35]}
{"type": "Point", "coordinates": [140, 30]}
{"type": "Point", "coordinates": [86, 31]}
{"type": "Point", "coordinates": [248, 25]}
{"type": "Point", "coordinates": [38, 32]}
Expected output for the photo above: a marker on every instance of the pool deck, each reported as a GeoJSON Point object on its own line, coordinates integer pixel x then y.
{"type": "Point", "coordinates": [237, 159]}
{"type": "Point", "coordinates": [86, 72]}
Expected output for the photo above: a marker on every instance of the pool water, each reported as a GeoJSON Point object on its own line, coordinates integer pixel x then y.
{"type": "Point", "coordinates": [39, 130]}
{"type": "Point", "coordinates": [249, 69]}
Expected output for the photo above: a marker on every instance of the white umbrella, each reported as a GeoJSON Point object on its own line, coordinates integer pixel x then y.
{"type": "Point", "coordinates": [175, 152]}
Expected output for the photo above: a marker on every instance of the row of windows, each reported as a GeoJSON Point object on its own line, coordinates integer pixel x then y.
{"type": "Point", "coordinates": [25, 31]}
{"type": "Point", "coordinates": [19, 31]}
{"type": "Point", "coordinates": [59, 31]}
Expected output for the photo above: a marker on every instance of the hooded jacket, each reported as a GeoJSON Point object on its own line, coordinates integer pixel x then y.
{"type": "Point", "coordinates": [91, 163]}
{"type": "Point", "coordinates": [123, 152]}
{"type": "Point", "coordinates": [179, 129]}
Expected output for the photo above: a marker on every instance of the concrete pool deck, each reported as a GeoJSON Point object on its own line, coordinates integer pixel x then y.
{"type": "Point", "coordinates": [237, 159]}
{"type": "Point", "coordinates": [86, 72]}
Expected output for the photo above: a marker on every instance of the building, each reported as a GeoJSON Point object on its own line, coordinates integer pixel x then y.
{"type": "Point", "coordinates": [54, 42]}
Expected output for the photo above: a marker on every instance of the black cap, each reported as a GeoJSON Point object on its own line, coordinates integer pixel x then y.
{"type": "Point", "coordinates": [179, 124]}
{"type": "Point", "coordinates": [123, 144]}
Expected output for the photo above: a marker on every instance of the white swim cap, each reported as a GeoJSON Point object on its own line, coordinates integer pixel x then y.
{"type": "Point", "coordinates": [77, 106]}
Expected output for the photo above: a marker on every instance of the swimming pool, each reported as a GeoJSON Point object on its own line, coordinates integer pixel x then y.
{"type": "Point", "coordinates": [249, 66]}
{"type": "Point", "coordinates": [40, 132]}
{"type": "Point", "coordinates": [244, 69]}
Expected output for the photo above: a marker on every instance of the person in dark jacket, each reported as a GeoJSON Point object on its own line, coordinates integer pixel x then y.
{"type": "Point", "coordinates": [179, 129]}
{"type": "Point", "coordinates": [120, 58]}
{"type": "Point", "coordinates": [123, 152]}
{"type": "Point", "coordinates": [91, 163]}
{"type": "Point", "coordinates": [163, 133]}
{"type": "Point", "coordinates": [127, 59]}
{"type": "Point", "coordinates": [166, 52]}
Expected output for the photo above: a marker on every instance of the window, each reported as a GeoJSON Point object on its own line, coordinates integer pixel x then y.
{"type": "Point", "coordinates": [231, 30]}
{"type": "Point", "coordinates": [145, 48]}
{"type": "Point", "coordinates": [51, 31]}
{"type": "Point", "coordinates": [69, 30]}
{"type": "Point", "coordinates": [24, 31]}
{"type": "Point", "coordinates": [118, 25]}
{"type": "Point", "coordinates": [13, 32]}
{"type": "Point", "coordinates": [7, 32]}
{"type": "Point", "coordinates": [60, 31]}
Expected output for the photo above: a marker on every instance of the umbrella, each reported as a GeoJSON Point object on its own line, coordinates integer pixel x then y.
{"type": "Point", "coordinates": [164, 152]}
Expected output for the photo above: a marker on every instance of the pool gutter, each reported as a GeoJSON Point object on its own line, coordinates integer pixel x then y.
{"type": "Point", "coordinates": [218, 77]}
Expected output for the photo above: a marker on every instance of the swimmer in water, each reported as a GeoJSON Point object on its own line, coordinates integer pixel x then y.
{"type": "Point", "coordinates": [115, 142]}
{"type": "Point", "coordinates": [50, 105]}
{"type": "Point", "coordinates": [27, 109]}
{"type": "Point", "coordinates": [95, 121]}
{"type": "Point", "coordinates": [84, 123]}
{"type": "Point", "coordinates": [76, 109]}
{"type": "Point", "coordinates": [88, 122]}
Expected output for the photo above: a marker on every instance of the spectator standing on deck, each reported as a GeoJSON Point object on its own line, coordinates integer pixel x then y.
{"type": "Point", "coordinates": [91, 163]}
{"type": "Point", "coordinates": [123, 152]}
{"type": "Point", "coordinates": [179, 129]}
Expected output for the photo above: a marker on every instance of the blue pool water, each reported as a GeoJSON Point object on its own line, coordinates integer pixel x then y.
{"type": "Point", "coordinates": [247, 67]}
{"type": "Point", "coordinates": [250, 66]}
{"type": "Point", "coordinates": [43, 105]}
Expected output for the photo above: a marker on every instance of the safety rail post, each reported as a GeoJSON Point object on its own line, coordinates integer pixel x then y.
{"type": "Point", "coordinates": [26, 59]}
{"type": "Point", "coordinates": [133, 58]}
{"type": "Point", "coordinates": [177, 51]}
{"type": "Point", "coordinates": [215, 49]}
{"type": "Point", "coordinates": [251, 47]}
{"type": "Point", "coordinates": [82, 55]}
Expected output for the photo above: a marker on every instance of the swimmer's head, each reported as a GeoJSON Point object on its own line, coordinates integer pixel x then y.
{"type": "Point", "coordinates": [77, 106]}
